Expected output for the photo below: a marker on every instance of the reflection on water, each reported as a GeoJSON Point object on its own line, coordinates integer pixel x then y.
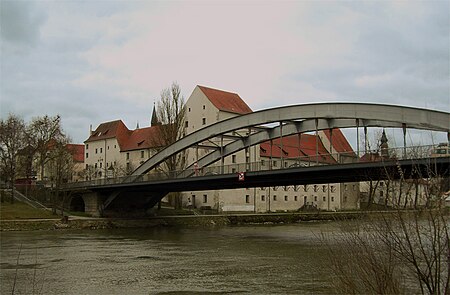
{"type": "Point", "coordinates": [285, 259]}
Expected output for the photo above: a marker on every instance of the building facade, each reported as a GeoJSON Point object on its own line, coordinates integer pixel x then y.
{"type": "Point", "coordinates": [207, 106]}
{"type": "Point", "coordinates": [112, 150]}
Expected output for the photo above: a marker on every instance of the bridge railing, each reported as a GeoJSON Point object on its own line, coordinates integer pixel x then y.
{"type": "Point", "coordinates": [266, 164]}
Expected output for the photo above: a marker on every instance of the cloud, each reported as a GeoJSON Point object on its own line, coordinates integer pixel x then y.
{"type": "Point", "coordinates": [93, 62]}
{"type": "Point", "coordinates": [20, 22]}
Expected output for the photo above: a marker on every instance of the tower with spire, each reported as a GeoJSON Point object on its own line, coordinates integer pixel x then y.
{"type": "Point", "coordinates": [154, 121]}
{"type": "Point", "coordinates": [384, 147]}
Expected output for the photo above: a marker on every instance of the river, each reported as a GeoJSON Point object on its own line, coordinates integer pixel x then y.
{"type": "Point", "coordinates": [282, 259]}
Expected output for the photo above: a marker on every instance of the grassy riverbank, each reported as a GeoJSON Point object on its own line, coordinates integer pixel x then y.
{"type": "Point", "coordinates": [20, 210]}
{"type": "Point", "coordinates": [20, 217]}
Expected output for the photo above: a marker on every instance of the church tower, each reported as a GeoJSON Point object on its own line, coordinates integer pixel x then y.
{"type": "Point", "coordinates": [154, 121]}
{"type": "Point", "coordinates": [384, 147]}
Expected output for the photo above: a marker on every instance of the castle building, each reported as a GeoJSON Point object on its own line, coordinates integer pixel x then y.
{"type": "Point", "coordinates": [207, 106]}
{"type": "Point", "coordinates": [113, 150]}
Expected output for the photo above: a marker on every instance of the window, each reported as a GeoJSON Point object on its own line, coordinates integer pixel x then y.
{"type": "Point", "coordinates": [381, 193]}
{"type": "Point", "coordinates": [274, 197]}
{"type": "Point", "coordinates": [263, 198]}
{"type": "Point", "coordinates": [101, 150]}
{"type": "Point", "coordinates": [115, 146]}
{"type": "Point", "coordinates": [247, 199]}
{"type": "Point", "coordinates": [87, 146]}
{"type": "Point", "coordinates": [205, 198]}
{"type": "Point", "coordinates": [204, 121]}
{"type": "Point", "coordinates": [315, 198]}
{"type": "Point", "coordinates": [189, 109]}
{"type": "Point", "coordinates": [295, 198]}
{"type": "Point", "coordinates": [95, 150]}
{"type": "Point", "coordinates": [128, 156]}
{"type": "Point", "coordinates": [87, 166]}
{"type": "Point", "coordinates": [204, 107]}
{"type": "Point", "coordinates": [274, 163]}
{"type": "Point", "coordinates": [87, 155]}
{"type": "Point", "coordinates": [316, 188]}
{"type": "Point", "coordinates": [263, 163]}
{"type": "Point", "coordinates": [332, 199]}
{"type": "Point", "coordinates": [186, 124]}
{"type": "Point", "coordinates": [324, 199]}
{"type": "Point", "coordinates": [108, 147]}
{"type": "Point", "coordinates": [324, 188]}
{"type": "Point", "coordinates": [142, 154]}
{"type": "Point", "coordinates": [101, 164]}
{"type": "Point", "coordinates": [233, 159]}
{"type": "Point", "coordinates": [95, 165]}
{"type": "Point", "coordinates": [285, 198]}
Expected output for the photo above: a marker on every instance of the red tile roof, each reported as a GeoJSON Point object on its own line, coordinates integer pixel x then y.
{"type": "Point", "coordinates": [127, 139]}
{"type": "Point", "coordinates": [77, 151]}
{"type": "Point", "coordinates": [142, 139]}
{"type": "Point", "coordinates": [340, 143]}
{"type": "Point", "coordinates": [226, 101]}
{"type": "Point", "coordinates": [114, 129]}
{"type": "Point", "coordinates": [307, 151]}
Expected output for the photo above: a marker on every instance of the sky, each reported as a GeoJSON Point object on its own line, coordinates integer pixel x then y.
{"type": "Point", "coordinates": [98, 61]}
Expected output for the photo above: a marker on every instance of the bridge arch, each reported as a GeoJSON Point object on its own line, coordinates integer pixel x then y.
{"type": "Point", "coordinates": [300, 119]}
{"type": "Point", "coordinates": [77, 203]}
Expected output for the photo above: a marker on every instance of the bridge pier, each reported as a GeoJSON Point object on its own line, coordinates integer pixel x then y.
{"type": "Point", "coordinates": [92, 203]}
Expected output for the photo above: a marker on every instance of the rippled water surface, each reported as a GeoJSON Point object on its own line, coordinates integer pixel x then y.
{"type": "Point", "coordinates": [285, 259]}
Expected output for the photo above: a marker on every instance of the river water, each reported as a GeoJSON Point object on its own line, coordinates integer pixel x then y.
{"type": "Point", "coordinates": [283, 259]}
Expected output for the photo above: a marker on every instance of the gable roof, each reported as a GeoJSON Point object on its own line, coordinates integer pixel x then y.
{"type": "Point", "coordinates": [141, 139]}
{"type": "Point", "coordinates": [77, 151]}
{"type": "Point", "coordinates": [128, 140]}
{"type": "Point", "coordinates": [307, 151]}
{"type": "Point", "coordinates": [340, 143]}
{"type": "Point", "coordinates": [114, 129]}
{"type": "Point", "coordinates": [226, 101]}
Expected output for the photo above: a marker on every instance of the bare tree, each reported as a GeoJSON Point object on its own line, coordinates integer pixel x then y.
{"type": "Point", "coordinates": [12, 142]}
{"type": "Point", "coordinates": [400, 252]}
{"type": "Point", "coordinates": [171, 114]}
{"type": "Point", "coordinates": [60, 167]}
{"type": "Point", "coordinates": [42, 132]}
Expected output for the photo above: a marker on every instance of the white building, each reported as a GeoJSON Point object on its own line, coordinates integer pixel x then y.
{"type": "Point", "coordinates": [112, 150]}
{"type": "Point", "coordinates": [207, 106]}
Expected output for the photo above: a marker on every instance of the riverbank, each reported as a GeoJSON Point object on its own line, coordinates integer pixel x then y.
{"type": "Point", "coordinates": [176, 221]}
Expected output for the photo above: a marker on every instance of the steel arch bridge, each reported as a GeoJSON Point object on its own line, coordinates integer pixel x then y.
{"type": "Point", "coordinates": [285, 121]}
{"type": "Point", "coordinates": [299, 119]}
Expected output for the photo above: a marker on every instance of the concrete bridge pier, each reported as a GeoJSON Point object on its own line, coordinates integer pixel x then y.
{"type": "Point", "coordinates": [93, 202]}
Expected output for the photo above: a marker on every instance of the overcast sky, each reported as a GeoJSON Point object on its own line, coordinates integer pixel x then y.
{"type": "Point", "coordinates": [97, 61]}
